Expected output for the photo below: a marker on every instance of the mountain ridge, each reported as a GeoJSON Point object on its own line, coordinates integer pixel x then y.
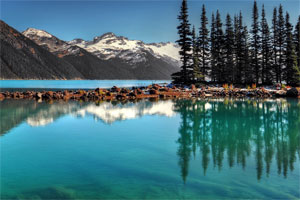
{"type": "Point", "coordinates": [105, 57]}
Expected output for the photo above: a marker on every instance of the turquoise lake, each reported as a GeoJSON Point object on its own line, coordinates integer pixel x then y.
{"type": "Point", "coordinates": [77, 84]}
{"type": "Point", "coordinates": [180, 149]}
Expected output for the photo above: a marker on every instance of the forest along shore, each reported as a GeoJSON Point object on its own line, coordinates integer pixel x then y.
{"type": "Point", "coordinates": [154, 91]}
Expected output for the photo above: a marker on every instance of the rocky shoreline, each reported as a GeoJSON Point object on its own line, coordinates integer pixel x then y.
{"type": "Point", "coordinates": [154, 91]}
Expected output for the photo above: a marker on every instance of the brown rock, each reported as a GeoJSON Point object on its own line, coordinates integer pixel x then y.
{"type": "Point", "coordinates": [115, 89]}
{"type": "Point", "coordinates": [193, 87]}
{"type": "Point", "coordinates": [124, 91]}
{"type": "Point", "coordinates": [49, 94]}
{"type": "Point", "coordinates": [121, 96]}
{"type": "Point", "coordinates": [153, 91]}
{"type": "Point", "coordinates": [66, 93]}
{"type": "Point", "coordinates": [39, 95]}
{"type": "Point", "coordinates": [2, 96]}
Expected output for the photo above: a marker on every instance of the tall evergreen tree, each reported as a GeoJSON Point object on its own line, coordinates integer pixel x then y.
{"type": "Point", "coordinates": [274, 45]}
{"type": "Point", "coordinates": [213, 50]}
{"type": "Point", "coordinates": [266, 50]}
{"type": "Point", "coordinates": [295, 74]}
{"type": "Point", "coordinates": [280, 43]}
{"type": "Point", "coordinates": [229, 51]}
{"type": "Point", "coordinates": [297, 40]}
{"type": "Point", "coordinates": [236, 48]}
{"type": "Point", "coordinates": [240, 49]}
{"type": "Point", "coordinates": [204, 44]}
{"type": "Point", "coordinates": [185, 43]}
{"type": "Point", "coordinates": [291, 71]}
{"type": "Point", "coordinates": [255, 44]}
{"type": "Point", "coordinates": [219, 48]}
{"type": "Point", "coordinates": [248, 70]}
{"type": "Point", "coordinates": [195, 56]}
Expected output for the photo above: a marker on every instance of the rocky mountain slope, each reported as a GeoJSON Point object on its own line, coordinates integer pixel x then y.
{"type": "Point", "coordinates": [41, 55]}
{"type": "Point", "coordinates": [112, 57]}
{"type": "Point", "coordinates": [21, 58]}
{"type": "Point", "coordinates": [86, 63]}
{"type": "Point", "coordinates": [110, 46]}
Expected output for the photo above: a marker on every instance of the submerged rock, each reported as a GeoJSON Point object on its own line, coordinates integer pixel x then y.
{"type": "Point", "coordinates": [293, 92]}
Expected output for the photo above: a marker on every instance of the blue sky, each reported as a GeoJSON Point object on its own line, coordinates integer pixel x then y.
{"type": "Point", "coordinates": [147, 20]}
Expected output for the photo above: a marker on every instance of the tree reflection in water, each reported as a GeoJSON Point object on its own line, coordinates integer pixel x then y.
{"type": "Point", "coordinates": [265, 129]}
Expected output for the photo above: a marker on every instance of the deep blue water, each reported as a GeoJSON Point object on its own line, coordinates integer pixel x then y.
{"type": "Point", "coordinates": [204, 149]}
{"type": "Point", "coordinates": [76, 84]}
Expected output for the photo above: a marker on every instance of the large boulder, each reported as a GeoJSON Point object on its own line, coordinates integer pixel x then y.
{"type": "Point", "coordinates": [293, 92]}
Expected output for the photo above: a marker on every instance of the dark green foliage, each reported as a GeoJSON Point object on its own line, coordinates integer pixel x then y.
{"type": "Point", "coordinates": [266, 51]}
{"type": "Point", "coordinates": [246, 58]}
{"type": "Point", "coordinates": [280, 44]}
{"type": "Point", "coordinates": [274, 45]}
{"type": "Point", "coordinates": [197, 74]}
{"type": "Point", "coordinates": [185, 43]}
{"type": "Point", "coordinates": [204, 45]}
{"type": "Point", "coordinates": [292, 76]}
{"type": "Point", "coordinates": [255, 44]}
{"type": "Point", "coordinates": [213, 60]}
{"type": "Point", "coordinates": [241, 52]}
{"type": "Point", "coordinates": [297, 40]}
{"type": "Point", "coordinates": [219, 49]}
{"type": "Point", "coordinates": [229, 51]}
{"type": "Point", "coordinates": [263, 57]}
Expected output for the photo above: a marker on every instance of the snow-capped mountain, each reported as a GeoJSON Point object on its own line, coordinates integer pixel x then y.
{"type": "Point", "coordinates": [110, 46]}
{"type": "Point", "coordinates": [50, 42]}
{"type": "Point", "coordinates": [112, 57]}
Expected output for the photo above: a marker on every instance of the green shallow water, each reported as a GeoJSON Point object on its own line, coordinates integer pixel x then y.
{"type": "Point", "coordinates": [216, 149]}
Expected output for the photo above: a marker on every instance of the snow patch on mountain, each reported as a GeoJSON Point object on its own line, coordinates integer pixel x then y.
{"type": "Point", "coordinates": [110, 46]}
{"type": "Point", "coordinates": [40, 33]}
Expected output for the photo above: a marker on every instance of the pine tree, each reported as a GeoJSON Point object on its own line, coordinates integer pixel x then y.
{"type": "Point", "coordinates": [185, 75]}
{"type": "Point", "coordinates": [295, 79]}
{"type": "Point", "coordinates": [195, 56]}
{"type": "Point", "coordinates": [236, 44]}
{"type": "Point", "coordinates": [248, 70]}
{"type": "Point", "coordinates": [204, 44]}
{"type": "Point", "coordinates": [266, 72]}
{"type": "Point", "coordinates": [274, 45]}
{"type": "Point", "coordinates": [280, 43]}
{"type": "Point", "coordinates": [213, 50]}
{"type": "Point", "coordinates": [291, 70]}
{"type": "Point", "coordinates": [240, 46]}
{"type": "Point", "coordinates": [219, 48]}
{"type": "Point", "coordinates": [255, 44]}
{"type": "Point", "coordinates": [228, 49]}
{"type": "Point", "coordinates": [297, 40]}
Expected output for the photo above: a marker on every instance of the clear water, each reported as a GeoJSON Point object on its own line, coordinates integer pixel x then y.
{"type": "Point", "coordinates": [78, 84]}
{"type": "Point", "coordinates": [216, 149]}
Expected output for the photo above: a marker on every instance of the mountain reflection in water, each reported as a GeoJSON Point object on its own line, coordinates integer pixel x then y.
{"type": "Point", "coordinates": [214, 130]}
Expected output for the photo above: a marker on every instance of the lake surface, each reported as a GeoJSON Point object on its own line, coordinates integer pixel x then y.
{"type": "Point", "coordinates": [76, 84]}
{"type": "Point", "coordinates": [206, 149]}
